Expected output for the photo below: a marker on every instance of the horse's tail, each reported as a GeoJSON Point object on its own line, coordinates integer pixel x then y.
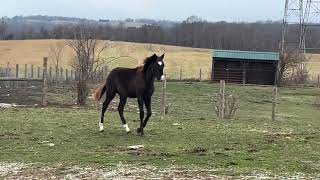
{"type": "Point", "coordinates": [99, 93]}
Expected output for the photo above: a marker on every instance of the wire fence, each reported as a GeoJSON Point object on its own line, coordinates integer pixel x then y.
{"type": "Point", "coordinates": [69, 75]}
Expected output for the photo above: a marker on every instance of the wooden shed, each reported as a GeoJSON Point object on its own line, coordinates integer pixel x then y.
{"type": "Point", "coordinates": [245, 67]}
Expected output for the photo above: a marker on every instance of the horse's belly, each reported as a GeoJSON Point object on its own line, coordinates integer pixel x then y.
{"type": "Point", "coordinates": [131, 94]}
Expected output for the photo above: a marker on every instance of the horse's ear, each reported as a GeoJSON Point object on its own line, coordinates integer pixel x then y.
{"type": "Point", "coordinates": [162, 57]}
{"type": "Point", "coordinates": [154, 56]}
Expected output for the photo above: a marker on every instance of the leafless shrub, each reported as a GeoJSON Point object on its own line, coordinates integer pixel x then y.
{"type": "Point", "coordinates": [226, 107]}
{"type": "Point", "coordinates": [293, 69]}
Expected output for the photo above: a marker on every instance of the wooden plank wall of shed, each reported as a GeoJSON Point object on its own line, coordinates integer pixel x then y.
{"type": "Point", "coordinates": [234, 71]}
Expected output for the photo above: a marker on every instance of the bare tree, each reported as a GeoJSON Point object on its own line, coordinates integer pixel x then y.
{"type": "Point", "coordinates": [293, 68]}
{"type": "Point", "coordinates": [87, 57]}
{"type": "Point", "coordinates": [55, 53]}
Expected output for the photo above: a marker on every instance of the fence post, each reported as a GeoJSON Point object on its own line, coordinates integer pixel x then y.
{"type": "Point", "coordinates": [163, 97]}
{"type": "Point", "coordinates": [44, 87]}
{"type": "Point", "coordinates": [222, 94]}
{"type": "Point", "coordinates": [15, 84]}
{"type": "Point", "coordinates": [32, 72]}
{"type": "Point", "coordinates": [318, 80]}
{"type": "Point", "coordinates": [106, 71]}
{"type": "Point", "coordinates": [17, 70]}
{"type": "Point", "coordinates": [50, 73]}
{"type": "Point", "coordinates": [71, 75]}
{"type": "Point", "coordinates": [180, 76]}
{"type": "Point", "coordinates": [274, 102]}
{"type": "Point", "coordinates": [244, 74]}
{"type": "Point", "coordinates": [38, 72]}
{"type": "Point", "coordinates": [67, 75]}
{"type": "Point", "coordinates": [7, 70]}
{"type": "Point", "coordinates": [25, 71]}
{"type": "Point", "coordinates": [200, 75]}
{"type": "Point", "coordinates": [61, 74]}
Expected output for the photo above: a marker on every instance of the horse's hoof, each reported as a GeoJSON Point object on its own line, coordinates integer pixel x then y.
{"type": "Point", "coordinates": [101, 127]}
{"type": "Point", "coordinates": [128, 132]}
{"type": "Point", "coordinates": [138, 130]}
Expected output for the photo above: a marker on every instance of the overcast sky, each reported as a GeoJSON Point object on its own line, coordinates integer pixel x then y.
{"type": "Point", "coordinates": [212, 10]}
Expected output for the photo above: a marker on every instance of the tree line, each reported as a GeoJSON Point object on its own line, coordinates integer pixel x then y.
{"type": "Point", "coordinates": [193, 32]}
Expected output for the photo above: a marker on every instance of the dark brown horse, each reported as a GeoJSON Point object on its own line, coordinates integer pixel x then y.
{"type": "Point", "coordinates": [133, 83]}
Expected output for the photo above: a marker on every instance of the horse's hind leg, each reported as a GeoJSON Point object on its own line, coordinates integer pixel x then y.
{"type": "Point", "coordinates": [109, 97]}
{"type": "Point", "coordinates": [122, 103]}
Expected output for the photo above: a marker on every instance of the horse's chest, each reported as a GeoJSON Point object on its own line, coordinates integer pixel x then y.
{"type": "Point", "coordinates": [149, 91]}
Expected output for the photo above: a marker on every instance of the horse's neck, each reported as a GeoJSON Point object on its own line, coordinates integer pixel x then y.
{"type": "Point", "coordinates": [149, 78]}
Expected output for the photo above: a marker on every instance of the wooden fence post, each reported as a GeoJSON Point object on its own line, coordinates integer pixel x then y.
{"type": "Point", "coordinates": [25, 71]}
{"type": "Point", "coordinates": [180, 76]}
{"type": "Point", "coordinates": [61, 74]}
{"type": "Point", "coordinates": [318, 80]}
{"type": "Point", "coordinates": [244, 75]}
{"type": "Point", "coordinates": [67, 75]}
{"type": "Point", "coordinates": [44, 88]}
{"type": "Point", "coordinates": [274, 102]}
{"type": "Point", "coordinates": [71, 75]}
{"type": "Point", "coordinates": [32, 72]}
{"type": "Point", "coordinates": [106, 71]}
{"type": "Point", "coordinates": [39, 72]}
{"type": "Point", "coordinates": [200, 75]}
{"type": "Point", "coordinates": [17, 70]}
{"type": "Point", "coordinates": [17, 76]}
{"type": "Point", "coordinates": [50, 73]}
{"type": "Point", "coordinates": [8, 70]}
{"type": "Point", "coordinates": [222, 99]}
{"type": "Point", "coordinates": [163, 97]}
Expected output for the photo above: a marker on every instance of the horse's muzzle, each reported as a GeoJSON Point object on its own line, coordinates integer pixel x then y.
{"type": "Point", "coordinates": [163, 77]}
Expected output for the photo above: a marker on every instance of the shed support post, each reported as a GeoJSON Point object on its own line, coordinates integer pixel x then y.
{"type": "Point", "coordinates": [244, 74]}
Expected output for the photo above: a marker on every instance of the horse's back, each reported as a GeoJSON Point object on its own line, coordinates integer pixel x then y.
{"type": "Point", "coordinates": [123, 81]}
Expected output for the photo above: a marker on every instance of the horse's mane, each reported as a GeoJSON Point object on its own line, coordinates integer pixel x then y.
{"type": "Point", "coordinates": [148, 61]}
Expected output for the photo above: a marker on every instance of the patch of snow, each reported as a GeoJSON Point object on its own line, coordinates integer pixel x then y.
{"type": "Point", "coordinates": [135, 147]}
{"type": "Point", "coordinates": [5, 105]}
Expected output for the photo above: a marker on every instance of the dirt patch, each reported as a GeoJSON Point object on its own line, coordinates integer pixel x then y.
{"type": "Point", "coordinates": [37, 171]}
{"type": "Point", "coordinates": [200, 151]}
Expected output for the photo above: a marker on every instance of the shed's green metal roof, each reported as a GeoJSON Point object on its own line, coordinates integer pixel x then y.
{"type": "Point", "coordinates": [247, 55]}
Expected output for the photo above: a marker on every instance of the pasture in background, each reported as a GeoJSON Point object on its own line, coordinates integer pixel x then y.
{"type": "Point", "coordinates": [187, 60]}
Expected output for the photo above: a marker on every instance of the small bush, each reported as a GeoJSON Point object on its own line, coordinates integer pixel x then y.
{"type": "Point", "coordinates": [231, 105]}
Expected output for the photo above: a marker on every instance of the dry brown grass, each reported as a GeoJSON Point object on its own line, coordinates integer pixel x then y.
{"type": "Point", "coordinates": [314, 64]}
{"type": "Point", "coordinates": [189, 59]}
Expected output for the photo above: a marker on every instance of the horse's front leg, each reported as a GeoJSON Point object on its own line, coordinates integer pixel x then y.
{"type": "Point", "coordinates": [140, 103]}
{"type": "Point", "coordinates": [147, 102]}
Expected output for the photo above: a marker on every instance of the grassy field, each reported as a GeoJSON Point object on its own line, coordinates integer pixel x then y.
{"type": "Point", "coordinates": [190, 142]}
{"type": "Point", "coordinates": [189, 59]}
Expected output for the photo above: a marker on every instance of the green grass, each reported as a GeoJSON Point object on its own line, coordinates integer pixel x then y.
{"type": "Point", "coordinates": [246, 144]}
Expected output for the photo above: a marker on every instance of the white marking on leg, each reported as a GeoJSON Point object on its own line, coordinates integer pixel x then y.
{"type": "Point", "coordinates": [126, 127]}
{"type": "Point", "coordinates": [101, 126]}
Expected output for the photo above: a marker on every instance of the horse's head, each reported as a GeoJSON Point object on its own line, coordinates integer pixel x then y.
{"type": "Point", "coordinates": [156, 65]}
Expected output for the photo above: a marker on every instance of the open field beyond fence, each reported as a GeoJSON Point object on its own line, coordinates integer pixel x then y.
{"type": "Point", "coordinates": [189, 60]}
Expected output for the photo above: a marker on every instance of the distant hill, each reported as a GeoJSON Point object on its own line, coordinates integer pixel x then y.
{"type": "Point", "coordinates": [39, 22]}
